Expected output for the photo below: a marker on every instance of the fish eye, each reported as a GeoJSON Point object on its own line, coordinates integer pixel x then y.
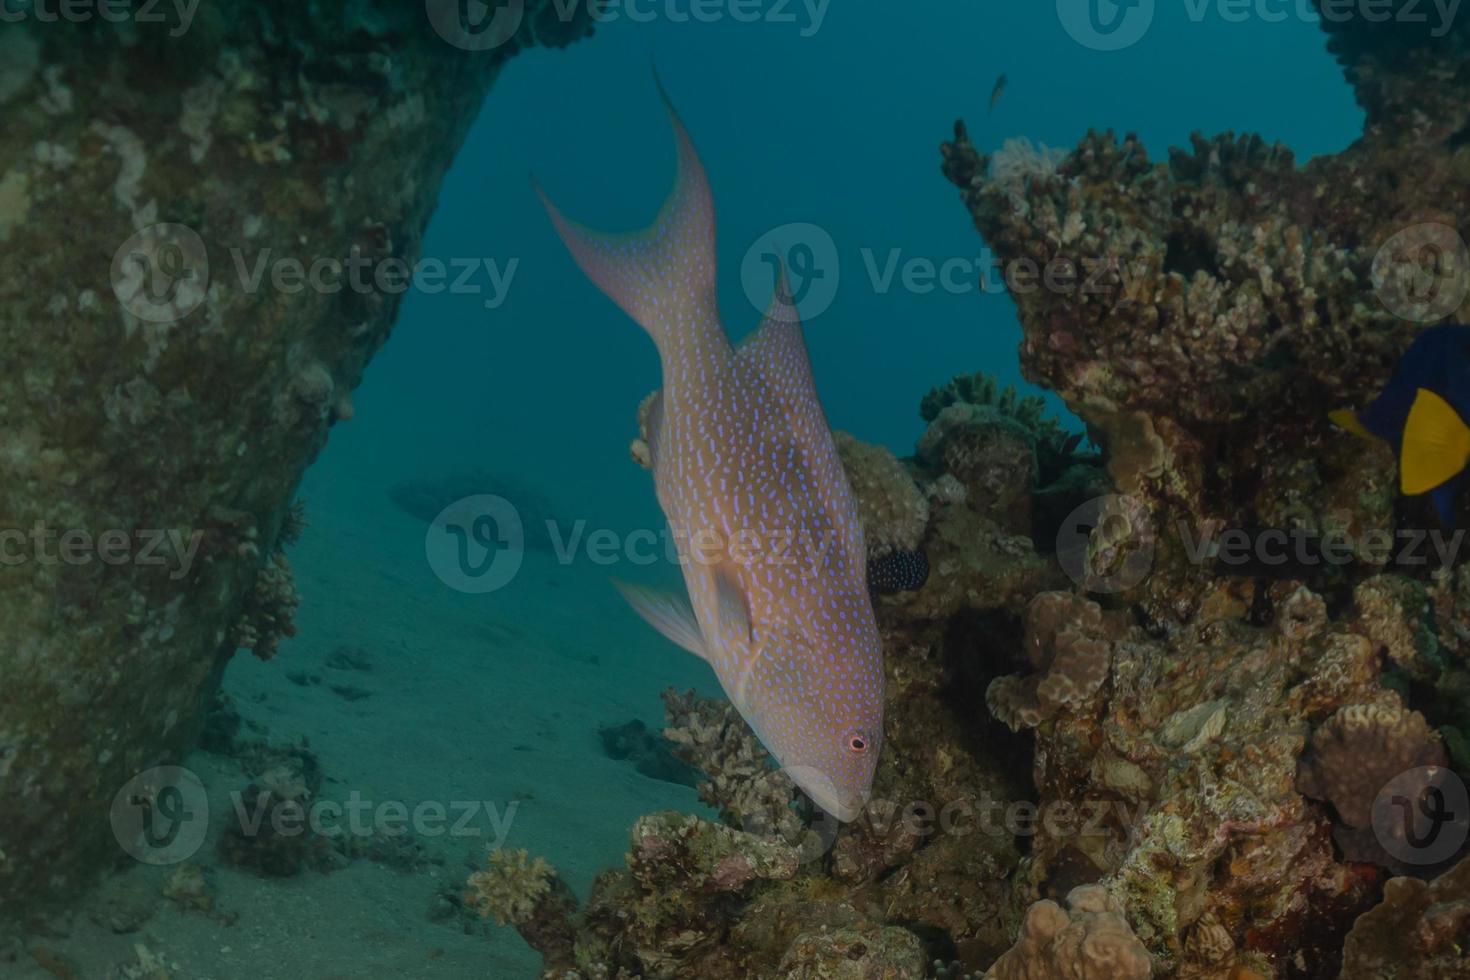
{"type": "Point", "coordinates": [857, 743]}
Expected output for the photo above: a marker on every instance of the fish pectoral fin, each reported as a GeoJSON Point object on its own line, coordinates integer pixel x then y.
{"type": "Point", "coordinates": [668, 613]}
{"type": "Point", "coordinates": [1436, 444]}
{"type": "Point", "coordinates": [1347, 419]}
{"type": "Point", "coordinates": [733, 605]}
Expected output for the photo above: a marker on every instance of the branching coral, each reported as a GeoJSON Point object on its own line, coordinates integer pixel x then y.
{"type": "Point", "coordinates": [530, 895]}
{"type": "Point", "coordinates": [510, 888]}
{"type": "Point", "coordinates": [269, 617]}
{"type": "Point", "coordinates": [740, 780]}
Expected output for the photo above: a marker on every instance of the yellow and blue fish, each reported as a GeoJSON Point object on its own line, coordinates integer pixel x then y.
{"type": "Point", "coordinates": [1422, 414]}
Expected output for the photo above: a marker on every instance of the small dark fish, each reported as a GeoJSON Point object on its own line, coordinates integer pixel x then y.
{"type": "Point", "coordinates": [997, 92]}
{"type": "Point", "coordinates": [1073, 441]}
{"type": "Point", "coordinates": [897, 571]}
{"type": "Point", "coordinates": [1421, 413]}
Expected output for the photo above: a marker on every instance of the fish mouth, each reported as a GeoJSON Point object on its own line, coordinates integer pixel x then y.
{"type": "Point", "coordinates": [844, 812]}
{"type": "Point", "coordinates": [845, 807]}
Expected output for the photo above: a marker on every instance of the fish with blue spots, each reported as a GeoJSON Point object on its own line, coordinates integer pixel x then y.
{"type": "Point", "coordinates": [1421, 413]}
{"type": "Point", "coordinates": [747, 474]}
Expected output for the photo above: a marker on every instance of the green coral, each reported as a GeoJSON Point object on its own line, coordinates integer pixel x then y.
{"type": "Point", "coordinates": [510, 887]}
{"type": "Point", "coordinates": [1055, 446]}
{"type": "Point", "coordinates": [982, 389]}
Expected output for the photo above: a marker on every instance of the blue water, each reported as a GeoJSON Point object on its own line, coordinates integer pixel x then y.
{"type": "Point", "coordinates": [840, 128]}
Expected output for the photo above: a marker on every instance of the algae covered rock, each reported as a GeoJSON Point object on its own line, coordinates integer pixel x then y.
{"type": "Point", "coordinates": [156, 404]}
{"type": "Point", "coordinates": [887, 953]}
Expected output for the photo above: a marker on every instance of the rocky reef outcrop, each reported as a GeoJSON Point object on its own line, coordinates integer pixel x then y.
{"type": "Point", "coordinates": [158, 401]}
{"type": "Point", "coordinates": [1114, 746]}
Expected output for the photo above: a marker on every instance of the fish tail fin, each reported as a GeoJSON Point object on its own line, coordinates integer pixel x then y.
{"type": "Point", "coordinates": [665, 275]}
{"type": "Point", "coordinates": [1436, 444]}
{"type": "Point", "coordinates": [1347, 419]}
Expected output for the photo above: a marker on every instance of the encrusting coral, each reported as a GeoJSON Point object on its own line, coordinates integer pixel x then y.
{"type": "Point", "coordinates": [1068, 640]}
{"type": "Point", "coordinates": [1089, 938]}
{"type": "Point", "coordinates": [1421, 931]}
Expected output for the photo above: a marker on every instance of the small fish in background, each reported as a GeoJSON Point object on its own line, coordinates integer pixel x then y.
{"type": "Point", "coordinates": [1422, 414]}
{"type": "Point", "coordinates": [741, 452]}
{"type": "Point", "coordinates": [997, 92]}
{"type": "Point", "coordinates": [897, 571]}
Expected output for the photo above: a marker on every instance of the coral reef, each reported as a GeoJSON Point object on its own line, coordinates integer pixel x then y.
{"type": "Point", "coordinates": [166, 392]}
{"type": "Point", "coordinates": [1111, 749]}
{"type": "Point", "coordinates": [1069, 643]}
{"type": "Point", "coordinates": [1420, 931]}
{"type": "Point", "coordinates": [894, 511]}
{"type": "Point", "coordinates": [1089, 938]}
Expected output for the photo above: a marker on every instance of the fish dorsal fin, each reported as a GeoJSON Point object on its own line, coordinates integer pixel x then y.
{"type": "Point", "coordinates": [1436, 444]}
{"type": "Point", "coordinates": [777, 352]}
{"type": "Point", "coordinates": [1348, 420]}
{"type": "Point", "coordinates": [663, 277]}
{"type": "Point", "coordinates": [668, 613]}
